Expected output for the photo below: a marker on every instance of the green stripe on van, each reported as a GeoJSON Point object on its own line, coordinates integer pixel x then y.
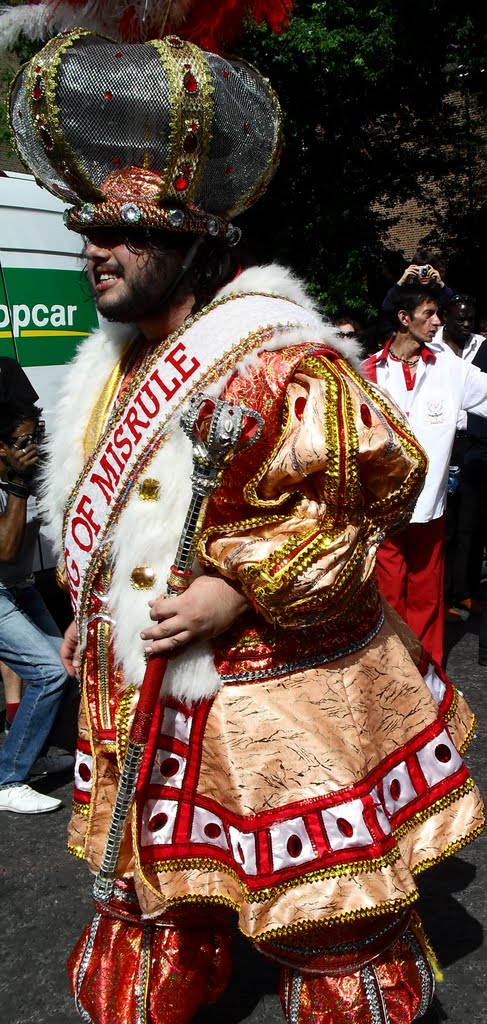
{"type": "Point", "coordinates": [43, 314]}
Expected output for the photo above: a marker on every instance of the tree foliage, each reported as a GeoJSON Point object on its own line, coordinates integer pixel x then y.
{"type": "Point", "coordinates": [372, 96]}
{"type": "Point", "coordinates": [384, 102]}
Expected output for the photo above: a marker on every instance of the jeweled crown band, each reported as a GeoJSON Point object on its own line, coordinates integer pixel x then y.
{"type": "Point", "coordinates": [147, 214]}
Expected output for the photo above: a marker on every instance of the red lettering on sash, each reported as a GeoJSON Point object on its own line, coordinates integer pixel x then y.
{"type": "Point", "coordinates": [82, 533]}
{"type": "Point", "coordinates": [167, 394]}
{"type": "Point", "coordinates": [176, 359]}
{"type": "Point", "coordinates": [111, 451]}
{"type": "Point", "coordinates": [156, 405]}
{"type": "Point", "coordinates": [108, 482]}
{"type": "Point", "coordinates": [83, 527]}
{"type": "Point", "coordinates": [87, 513]}
{"type": "Point", "coordinates": [133, 423]}
{"type": "Point", "coordinates": [123, 444]}
{"type": "Point", "coordinates": [72, 571]}
{"type": "Point", "coordinates": [73, 577]}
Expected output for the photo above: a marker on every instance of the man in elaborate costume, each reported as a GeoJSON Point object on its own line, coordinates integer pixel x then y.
{"type": "Point", "coordinates": [303, 764]}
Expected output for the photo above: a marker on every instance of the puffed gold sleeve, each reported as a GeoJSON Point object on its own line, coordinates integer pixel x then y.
{"type": "Point", "coordinates": [301, 533]}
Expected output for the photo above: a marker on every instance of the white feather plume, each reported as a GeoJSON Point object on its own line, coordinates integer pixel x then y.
{"type": "Point", "coordinates": [42, 21]}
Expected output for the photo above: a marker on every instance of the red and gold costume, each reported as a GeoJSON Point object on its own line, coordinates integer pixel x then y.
{"type": "Point", "coordinates": [305, 768]}
{"type": "Point", "coordinates": [324, 775]}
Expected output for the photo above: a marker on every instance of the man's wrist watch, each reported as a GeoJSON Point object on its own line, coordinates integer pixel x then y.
{"type": "Point", "coordinates": [17, 485]}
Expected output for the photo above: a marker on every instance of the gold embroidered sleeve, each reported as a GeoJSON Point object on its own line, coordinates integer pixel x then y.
{"type": "Point", "coordinates": [337, 477]}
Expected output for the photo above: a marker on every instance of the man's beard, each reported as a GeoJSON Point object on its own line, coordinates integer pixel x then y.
{"type": "Point", "coordinates": [146, 293]}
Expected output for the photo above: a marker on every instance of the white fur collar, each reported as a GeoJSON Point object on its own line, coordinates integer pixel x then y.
{"type": "Point", "coordinates": [274, 279]}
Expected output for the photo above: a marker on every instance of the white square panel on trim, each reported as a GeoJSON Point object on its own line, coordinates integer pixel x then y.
{"type": "Point", "coordinates": [158, 819]}
{"type": "Point", "coordinates": [290, 843]}
{"type": "Point", "coordinates": [345, 825]}
{"type": "Point", "coordinates": [208, 828]}
{"type": "Point", "coordinates": [438, 759]}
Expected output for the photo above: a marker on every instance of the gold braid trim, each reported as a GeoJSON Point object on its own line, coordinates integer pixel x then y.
{"type": "Point", "coordinates": [439, 805]}
{"type": "Point", "coordinates": [469, 735]}
{"type": "Point", "coordinates": [391, 512]}
{"type": "Point", "coordinates": [262, 895]}
{"type": "Point", "coordinates": [303, 924]}
{"type": "Point", "coordinates": [352, 869]}
{"type": "Point", "coordinates": [76, 851]}
{"type": "Point", "coordinates": [453, 706]}
{"type": "Point", "coordinates": [418, 931]}
{"type": "Point", "coordinates": [345, 916]}
{"type": "Point", "coordinates": [44, 112]}
{"type": "Point", "coordinates": [450, 849]}
{"type": "Point", "coordinates": [82, 809]}
{"type": "Point", "coordinates": [122, 720]}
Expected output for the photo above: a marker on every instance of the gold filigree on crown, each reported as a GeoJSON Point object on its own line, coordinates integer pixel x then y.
{"type": "Point", "coordinates": [157, 134]}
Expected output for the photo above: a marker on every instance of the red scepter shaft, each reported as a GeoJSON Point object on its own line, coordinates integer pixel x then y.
{"type": "Point", "coordinates": [178, 582]}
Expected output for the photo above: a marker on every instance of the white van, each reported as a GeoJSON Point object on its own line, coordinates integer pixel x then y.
{"type": "Point", "coordinates": [45, 305]}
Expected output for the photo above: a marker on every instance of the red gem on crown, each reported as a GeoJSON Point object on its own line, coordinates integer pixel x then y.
{"type": "Point", "coordinates": [190, 83]}
{"type": "Point", "coordinates": [190, 143]}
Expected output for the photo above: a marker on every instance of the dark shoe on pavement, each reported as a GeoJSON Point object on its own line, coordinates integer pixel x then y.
{"type": "Point", "coordinates": [456, 613]}
{"type": "Point", "coordinates": [24, 800]}
{"type": "Point", "coordinates": [52, 765]}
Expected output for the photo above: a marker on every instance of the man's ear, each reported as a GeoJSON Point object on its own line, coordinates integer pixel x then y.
{"type": "Point", "coordinates": [403, 317]}
{"type": "Point", "coordinates": [3, 449]}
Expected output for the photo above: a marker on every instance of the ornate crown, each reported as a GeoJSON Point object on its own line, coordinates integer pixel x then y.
{"type": "Point", "coordinates": [158, 133]}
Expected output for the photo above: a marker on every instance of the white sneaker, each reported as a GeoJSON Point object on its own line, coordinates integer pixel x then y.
{"type": "Point", "coordinates": [52, 765]}
{"type": "Point", "coordinates": [24, 800]}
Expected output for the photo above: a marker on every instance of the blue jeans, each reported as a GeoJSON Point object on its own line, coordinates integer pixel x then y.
{"type": "Point", "coordinates": [29, 644]}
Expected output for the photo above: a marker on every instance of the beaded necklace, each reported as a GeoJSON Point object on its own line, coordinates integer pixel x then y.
{"type": "Point", "coordinates": [400, 359]}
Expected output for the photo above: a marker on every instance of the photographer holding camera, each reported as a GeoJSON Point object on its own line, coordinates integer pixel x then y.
{"type": "Point", "coordinates": [422, 271]}
{"type": "Point", "coordinates": [29, 638]}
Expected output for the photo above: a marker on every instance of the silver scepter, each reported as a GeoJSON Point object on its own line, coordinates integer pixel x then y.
{"type": "Point", "coordinates": [219, 430]}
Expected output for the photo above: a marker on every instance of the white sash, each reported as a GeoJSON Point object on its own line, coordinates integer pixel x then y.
{"type": "Point", "coordinates": [202, 352]}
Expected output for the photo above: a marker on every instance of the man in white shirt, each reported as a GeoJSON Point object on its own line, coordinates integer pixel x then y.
{"type": "Point", "coordinates": [431, 386]}
{"type": "Point", "coordinates": [463, 550]}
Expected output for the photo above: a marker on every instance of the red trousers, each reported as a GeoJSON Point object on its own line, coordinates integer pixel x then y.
{"type": "Point", "coordinates": [145, 972]}
{"type": "Point", "coordinates": [410, 571]}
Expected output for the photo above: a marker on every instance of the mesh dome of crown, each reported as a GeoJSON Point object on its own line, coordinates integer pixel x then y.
{"type": "Point", "coordinates": [86, 106]}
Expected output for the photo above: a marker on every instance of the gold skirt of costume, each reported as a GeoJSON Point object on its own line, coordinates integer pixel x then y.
{"type": "Point", "coordinates": [315, 797]}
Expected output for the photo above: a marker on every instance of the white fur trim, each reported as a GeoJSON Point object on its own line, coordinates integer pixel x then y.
{"type": "Point", "coordinates": [274, 279]}
{"type": "Point", "coordinates": [271, 279]}
{"type": "Point", "coordinates": [90, 368]}
{"type": "Point", "coordinates": [192, 677]}
{"type": "Point", "coordinates": [139, 540]}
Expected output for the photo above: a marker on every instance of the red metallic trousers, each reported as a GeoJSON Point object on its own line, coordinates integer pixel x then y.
{"type": "Point", "coordinates": [161, 972]}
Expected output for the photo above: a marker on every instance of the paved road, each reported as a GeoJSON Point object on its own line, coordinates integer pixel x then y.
{"type": "Point", "coordinates": [46, 900]}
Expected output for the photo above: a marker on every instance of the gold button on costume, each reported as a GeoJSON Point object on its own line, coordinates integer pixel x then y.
{"type": "Point", "coordinates": [142, 577]}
